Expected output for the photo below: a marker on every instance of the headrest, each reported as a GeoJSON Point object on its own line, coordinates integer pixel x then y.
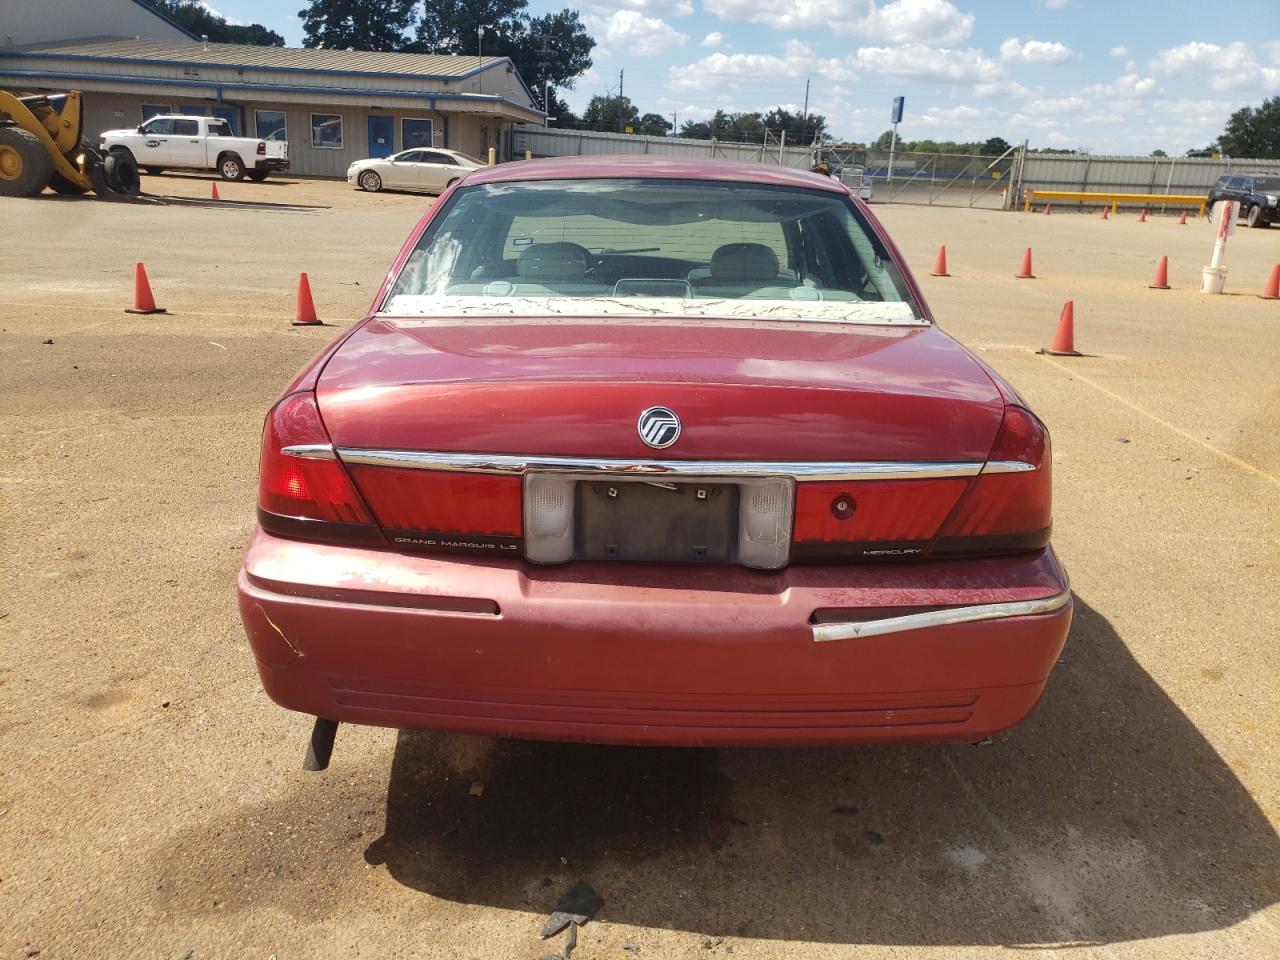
{"type": "Point", "coordinates": [744, 261]}
{"type": "Point", "coordinates": [553, 261]}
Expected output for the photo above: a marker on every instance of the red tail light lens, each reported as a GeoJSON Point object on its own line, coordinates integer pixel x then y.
{"type": "Point", "coordinates": [262, 149]}
{"type": "Point", "coordinates": [438, 510]}
{"type": "Point", "coordinates": [1010, 505]}
{"type": "Point", "coordinates": [871, 519]}
{"type": "Point", "coordinates": [307, 493]}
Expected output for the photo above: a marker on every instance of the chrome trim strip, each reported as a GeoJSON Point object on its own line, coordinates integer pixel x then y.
{"type": "Point", "coordinates": [1008, 466]}
{"type": "Point", "coordinates": [310, 451]}
{"type": "Point", "coordinates": [512, 464]}
{"type": "Point", "coordinates": [824, 632]}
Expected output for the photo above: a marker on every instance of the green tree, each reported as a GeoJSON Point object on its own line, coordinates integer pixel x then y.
{"type": "Point", "coordinates": [994, 147]}
{"type": "Point", "coordinates": [357, 24]}
{"type": "Point", "coordinates": [561, 115]}
{"type": "Point", "coordinates": [883, 142]}
{"type": "Point", "coordinates": [653, 125]}
{"type": "Point", "coordinates": [550, 50]}
{"type": "Point", "coordinates": [610, 113]}
{"type": "Point", "coordinates": [203, 22]}
{"type": "Point", "coordinates": [1253, 133]}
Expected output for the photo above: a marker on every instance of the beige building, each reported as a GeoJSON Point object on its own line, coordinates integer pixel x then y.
{"type": "Point", "coordinates": [333, 106]}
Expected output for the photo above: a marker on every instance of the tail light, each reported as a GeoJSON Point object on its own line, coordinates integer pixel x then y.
{"type": "Point", "coordinates": [262, 149]}
{"type": "Point", "coordinates": [442, 511]}
{"type": "Point", "coordinates": [1010, 504]}
{"type": "Point", "coordinates": [871, 519]}
{"type": "Point", "coordinates": [303, 491]}
{"type": "Point", "coordinates": [1005, 508]}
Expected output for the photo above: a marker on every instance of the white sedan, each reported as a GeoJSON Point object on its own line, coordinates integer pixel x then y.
{"type": "Point", "coordinates": [417, 169]}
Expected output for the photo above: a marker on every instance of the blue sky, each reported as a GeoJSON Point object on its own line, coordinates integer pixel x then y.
{"type": "Point", "coordinates": [1113, 76]}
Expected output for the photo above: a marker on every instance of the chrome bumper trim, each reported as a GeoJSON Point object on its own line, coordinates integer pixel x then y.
{"type": "Point", "coordinates": [310, 451]}
{"type": "Point", "coordinates": [824, 632]}
{"type": "Point", "coordinates": [513, 464]}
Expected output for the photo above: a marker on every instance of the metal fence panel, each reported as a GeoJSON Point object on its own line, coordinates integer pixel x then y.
{"type": "Point", "coordinates": [554, 142]}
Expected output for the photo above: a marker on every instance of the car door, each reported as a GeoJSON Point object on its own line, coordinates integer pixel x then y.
{"type": "Point", "coordinates": [401, 171]}
{"type": "Point", "coordinates": [154, 148]}
{"type": "Point", "coordinates": [186, 146]}
{"type": "Point", "coordinates": [437, 170]}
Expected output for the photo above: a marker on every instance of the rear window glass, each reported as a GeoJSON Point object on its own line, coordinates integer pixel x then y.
{"type": "Point", "coordinates": [660, 240]}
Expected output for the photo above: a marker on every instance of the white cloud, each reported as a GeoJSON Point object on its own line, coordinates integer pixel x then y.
{"type": "Point", "coordinates": [675, 8]}
{"type": "Point", "coordinates": [641, 36]}
{"type": "Point", "coordinates": [1228, 68]}
{"type": "Point", "coordinates": [797, 60]}
{"type": "Point", "coordinates": [995, 89]}
{"type": "Point", "coordinates": [1119, 51]}
{"type": "Point", "coordinates": [900, 21]}
{"type": "Point", "coordinates": [1274, 47]}
{"type": "Point", "coordinates": [1125, 85]}
{"type": "Point", "coordinates": [1034, 51]}
{"type": "Point", "coordinates": [922, 21]}
{"type": "Point", "coordinates": [915, 61]}
{"type": "Point", "coordinates": [218, 13]}
{"type": "Point", "coordinates": [713, 40]}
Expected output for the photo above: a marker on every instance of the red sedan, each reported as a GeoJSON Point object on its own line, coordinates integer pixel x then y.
{"type": "Point", "coordinates": [654, 451]}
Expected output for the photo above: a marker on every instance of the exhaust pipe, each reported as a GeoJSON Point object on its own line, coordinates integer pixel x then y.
{"type": "Point", "coordinates": [321, 746]}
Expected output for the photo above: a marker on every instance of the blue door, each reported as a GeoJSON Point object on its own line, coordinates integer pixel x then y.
{"type": "Point", "coordinates": [231, 115]}
{"type": "Point", "coordinates": [380, 144]}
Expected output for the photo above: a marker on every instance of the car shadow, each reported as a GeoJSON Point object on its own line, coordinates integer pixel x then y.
{"type": "Point", "coordinates": [1106, 817]}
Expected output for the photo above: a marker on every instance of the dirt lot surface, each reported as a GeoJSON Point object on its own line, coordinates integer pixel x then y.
{"type": "Point", "coordinates": [152, 803]}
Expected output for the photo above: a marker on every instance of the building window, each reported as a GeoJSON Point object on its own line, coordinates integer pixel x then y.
{"type": "Point", "coordinates": [150, 110]}
{"type": "Point", "coordinates": [326, 130]}
{"type": "Point", "coordinates": [415, 133]}
{"type": "Point", "coordinates": [270, 125]}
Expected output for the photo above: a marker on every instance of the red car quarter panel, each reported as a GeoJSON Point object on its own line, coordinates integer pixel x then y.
{"type": "Point", "coordinates": [653, 452]}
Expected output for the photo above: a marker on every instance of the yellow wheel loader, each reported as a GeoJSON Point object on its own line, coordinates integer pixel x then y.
{"type": "Point", "coordinates": [41, 146]}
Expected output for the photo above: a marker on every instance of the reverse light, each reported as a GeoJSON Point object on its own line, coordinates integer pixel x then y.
{"type": "Point", "coordinates": [548, 518]}
{"type": "Point", "coordinates": [1010, 504]}
{"type": "Point", "coordinates": [306, 493]}
{"type": "Point", "coordinates": [262, 149]}
{"type": "Point", "coordinates": [764, 523]}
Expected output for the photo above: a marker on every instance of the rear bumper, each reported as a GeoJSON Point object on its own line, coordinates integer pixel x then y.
{"type": "Point", "coordinates": [645, 653]}
{"type": "Point", "coordinates": [271, 163]}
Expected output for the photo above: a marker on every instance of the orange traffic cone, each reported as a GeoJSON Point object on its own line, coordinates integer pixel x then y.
{"type": "Point", "coordinates": [1048, 209]}
{"type": "Point", "coordinates": [1064, 340]}
{"type": "Point", "coordinates": [1182, 220]}
{"type": "Point", "coordinates": [306, 314]}
{"type": "Point", "coordinates": [143, 301]}
{"type": "Point", "coordinates": [1106, 213]}
{"type": "Point", "coordinates": [1142, 217]}
{"type": "Point", "coordinates": [940, 267]}
{"type": "Point", "coordinates": [1025, 273]}
{"type": "Point", "coordinates": [213, 193]}
{"type": "Point", "coordinates": [1273, 285]}
{"type": "Point", "coordinates": [1161, 281]}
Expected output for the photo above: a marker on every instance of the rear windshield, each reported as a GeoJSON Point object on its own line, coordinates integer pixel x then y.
{"type": "Point", "coordinates": [656, 246]}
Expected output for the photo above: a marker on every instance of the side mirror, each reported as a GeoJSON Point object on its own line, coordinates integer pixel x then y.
{"type": "Point", "coordinates": [140, 130]}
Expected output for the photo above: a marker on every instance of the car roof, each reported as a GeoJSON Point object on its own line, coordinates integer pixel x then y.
{"type": "Point", "coordinates": [663, 168]}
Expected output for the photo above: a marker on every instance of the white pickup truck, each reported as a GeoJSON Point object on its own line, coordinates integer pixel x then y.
{"type": "Point", "coordinates": [197, 143]}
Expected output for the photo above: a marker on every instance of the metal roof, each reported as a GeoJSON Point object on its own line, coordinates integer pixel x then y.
{"type": "Point", "coordinates": [196, 54]}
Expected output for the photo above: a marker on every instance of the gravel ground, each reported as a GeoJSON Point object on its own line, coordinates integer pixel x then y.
{"type": "Point", "coordinates": [152, 803]}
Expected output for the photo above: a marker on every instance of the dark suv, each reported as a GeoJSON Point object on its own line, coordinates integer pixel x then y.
{"type": "Point", "coordinates": [1258, 194]}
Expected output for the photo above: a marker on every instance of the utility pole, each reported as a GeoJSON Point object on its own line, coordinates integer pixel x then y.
{"type": "Point", "coordinates": [621, 120]}
{"type": "Point", "coordinates": [675, 124]}
{"type": "Point", "coordinates": [804, 120]}
{"type": "Point", "coordinates": [546, 79]}
{"type": "Point", "coordinates": [480, 54]}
